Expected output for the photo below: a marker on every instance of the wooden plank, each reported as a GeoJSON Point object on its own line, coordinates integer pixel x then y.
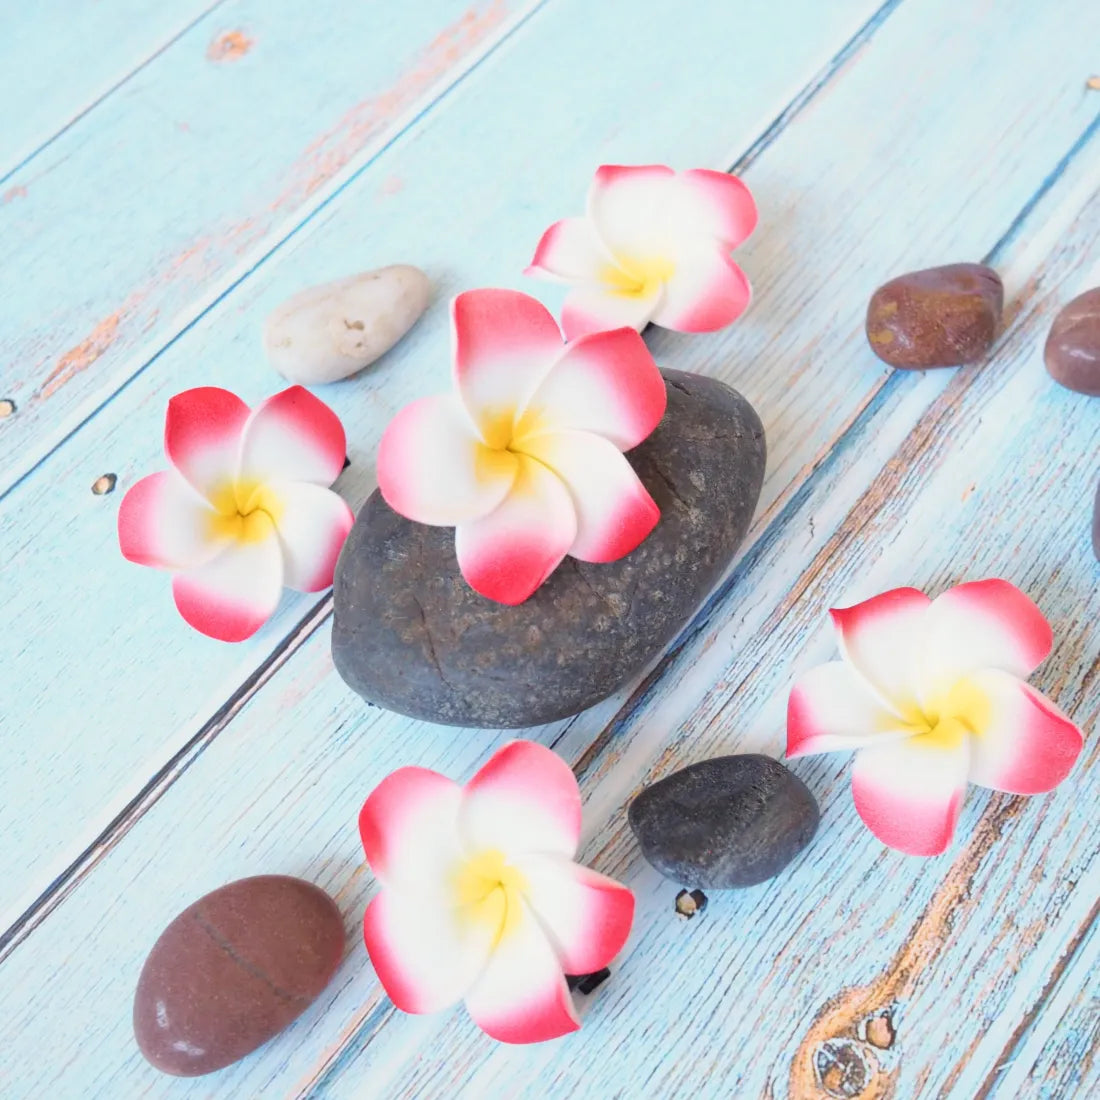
{"type": "Point", "coordinates": [167, 194]}
{"type": "Point", "coordinates": [59, 60]}
{"type": "Point", "coordinates": [240, 808]}
{"type": "Point", "coordinates": [1058, 1056]}
{"type": "Point", "coordinates": [133, 673]}
{"type": "Point", "coordinates": [860, 972]}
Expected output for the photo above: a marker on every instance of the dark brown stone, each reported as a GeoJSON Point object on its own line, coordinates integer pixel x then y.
{"type": "Point", "coordinates": [939, 317]}
{"type": "Point", "coordinates": [1072, 353]}
{"type": "Point", "coordinates": [412, 636]}
{"type": "Point", "coordinates": [234, 969]}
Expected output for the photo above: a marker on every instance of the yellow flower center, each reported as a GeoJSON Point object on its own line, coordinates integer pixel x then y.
{"type": "Point", "coordinates": [489, 891]}
{"type": "Point", "coordinates": [244, 511]}
{"type": "Point", "coordinates": [634, 278]}
{"type": "Point", "coordinates": [948, 716]}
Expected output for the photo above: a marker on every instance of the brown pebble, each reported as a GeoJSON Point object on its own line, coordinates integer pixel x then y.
{"type": "Point", "coordinates": [7, 407]}
{"type": "Point", "coordinates": [939, 317]}
{"type": "Point", "coordinates": [104, 484]}
{"type": "Point", "coordinates": [1072, 352]}
{"type": "Point", "coordinates": [234, 969]}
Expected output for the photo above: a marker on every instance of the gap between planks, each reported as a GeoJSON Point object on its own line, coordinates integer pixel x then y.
{"type": "Point", "coordinates": [107, 93]}
{"type": "Point", "coordinates": [761, 531]}
{"type": "Point", "coordinates": [282, 235]}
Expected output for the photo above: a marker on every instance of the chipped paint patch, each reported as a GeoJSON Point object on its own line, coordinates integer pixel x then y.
{"type": "Point", "coordinates": [82, 356]}
{"type": "Point", "coordinates": [229, 46]}
{"type": "Point", "coordinates": [13, 193]}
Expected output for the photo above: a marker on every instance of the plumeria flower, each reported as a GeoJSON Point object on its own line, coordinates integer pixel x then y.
{"type": "Point", "coordinates": [932, 695]}
{"type": "Point", "coordinates": [654, 246]}
{"type": "Point", "coordinates": [525, 458]}
{"type": "Point", "coordinates": [481, 900]}
{"type": "Point", "coordinates": [245, 509]}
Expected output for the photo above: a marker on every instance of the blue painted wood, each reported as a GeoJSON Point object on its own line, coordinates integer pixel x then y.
{"type": "Point", "coordinates": [169, 191]}
{"type": "Point", "coordinates": [59, 59]}
{"type": "Point", "coordinates": [875, 480]}
{"type": "Point", "coordinates": [169, 680]}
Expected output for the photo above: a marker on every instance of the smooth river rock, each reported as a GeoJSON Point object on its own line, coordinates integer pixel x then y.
{"type": "Point", "coordinates": [1072, 352]}
{"type": "Point", "coordinates": [939, 317]}
{"type": "Point", "coordinates": [329, 332]}
{"type": "Point", "coordinates": [234, 969]}
{"type": "Point", "coordinates": [411, 635]}
{"type": "Point", "coordinates": [723, 823]}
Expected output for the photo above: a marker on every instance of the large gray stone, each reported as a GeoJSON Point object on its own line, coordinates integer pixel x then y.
{"type": "Point", "coordinates": [411, 635]}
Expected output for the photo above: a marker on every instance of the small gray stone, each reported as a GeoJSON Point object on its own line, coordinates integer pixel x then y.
{"type": "Point", "coordinates": [412, 636]}
{"type": "Point", "coordinates": [723, 823]}
{"type": "Point", "coordinates": [328, 332]}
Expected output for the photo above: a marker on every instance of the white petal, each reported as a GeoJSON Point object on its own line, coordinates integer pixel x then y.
{"type": "Point", "coordinates": [312, 524]}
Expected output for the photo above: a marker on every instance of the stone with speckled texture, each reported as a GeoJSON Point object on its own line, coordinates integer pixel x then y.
{"type": "Point", "coordinates": [412, 636]}
{"type": "Point", "coordinates": [938, 317]}
{"type": "Point", "coordinates": [723, 823]}
{"type": "Point", "coordinates": [234, 969]}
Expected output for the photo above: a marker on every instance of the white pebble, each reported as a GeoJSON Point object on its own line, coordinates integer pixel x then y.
{"type": "Point", "coordinates": [329, 332]}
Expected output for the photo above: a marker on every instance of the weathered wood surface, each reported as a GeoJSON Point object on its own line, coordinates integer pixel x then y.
{"type": "Point", "coordinates": [917, 132]}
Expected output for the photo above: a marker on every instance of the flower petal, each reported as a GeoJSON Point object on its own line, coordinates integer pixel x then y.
{"type": "Point", "coordinates": [312, 524]}
{"type": "Point", "coordinates": [409, 828]}
{"type": "Point", "coordinates": [592, 309]}
{"type": "Point", "coordinates": [614, 510]}
{"type": "Point", "coordinates": [606, 383]}
{"type": "Point", "coordinates": [909, 793]}
{"type": "Point", "coordinates": [882, 639]}
{"type": "Point", "coordinates": [983, 624]}
{"type": "Point", "coordinates": [725, 202]}
{"type": "Point", "coordinates": [293, 436]}
{"type": "Point", "coordinates": [231, 596]}
{"type": "Point", "coordinates": [1022, 743]}
{"type": "Point", "coordinates": [522, 996]}
{"type": "Point", "coordinates": [705, 292]}
{"type": "Point", "coordinates": [433, 469]}
{"type": "Point", "coordinates": [569, 251]}
{"type": "Point", "coordinates": [525, 799]}
{"type": "Point", "coordinates": [504, 344]}
{"type": "Point", "coordinates": [507, 554]}
{"type": "Point", "coordinates": [425, 955]}
{"type": "Point", "coordinates": [832, 708]}
{"type": "Point", "coordinates": [586, 915]}
{"type": "Point", "coordinates": [627, 204]}
{"type": "Point", "coordinates": [164, 523]}
{"type": "Point", "coordinates": [202, 436]}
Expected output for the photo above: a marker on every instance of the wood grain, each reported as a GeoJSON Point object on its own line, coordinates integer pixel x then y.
{"type": "Point", "coordinates": [215, 154]}
{"type": "Point", "coordinates": [167, 681]}
{"type": "Point", "coordinates": [858, 972]}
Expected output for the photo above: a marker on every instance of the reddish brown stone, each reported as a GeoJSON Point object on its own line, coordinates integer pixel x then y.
{"type": "Point", "coordinates": [234, 969]}
{"type": "Point", "coordinates": [1072, 353]}
{"type": "Point", "coordinates": [939, 317]}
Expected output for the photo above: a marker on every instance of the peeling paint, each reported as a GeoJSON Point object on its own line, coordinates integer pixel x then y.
{"type": "Point", "coordinates": [82, 356]}
{"type": "Point", "coordinates": [13, 193]}
{"type": "Point", "coordinates": [229, 46]}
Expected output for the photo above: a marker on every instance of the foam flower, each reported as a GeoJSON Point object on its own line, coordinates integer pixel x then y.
{"type": "Point", "coordinates": [245, 508]}
{"type": "Point", "coordinates": [932, 695]}
{"type": "Point", "coordinates": [525, 457]}
{"type": "Point", "coordinates": [481, 900]}
{"type": "Point", "coordinates": [653, 246]}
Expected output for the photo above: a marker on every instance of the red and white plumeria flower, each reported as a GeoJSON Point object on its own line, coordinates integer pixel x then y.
{"type": "Point", "coordinates": [245, 509]}
{"type": "Point", "coordinates": [654, 246]}
{"type": "Point", "coordinates": [525, 458]}
{"type": "Point", "coordinates": [932, 694]}
{"type": "Point", "coordinates": [481, 900]}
